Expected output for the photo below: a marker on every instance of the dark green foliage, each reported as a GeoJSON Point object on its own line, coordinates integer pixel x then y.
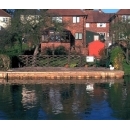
{"type": "Point", "coordinates": [48, 51]}
{"type": "Point", "coordinates": [117, 57]}
{"type": "Point", "coordinates": [60, 50]}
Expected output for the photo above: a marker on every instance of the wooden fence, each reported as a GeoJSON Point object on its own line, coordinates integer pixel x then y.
{"type": "Point", "coordinates": [52, 60]}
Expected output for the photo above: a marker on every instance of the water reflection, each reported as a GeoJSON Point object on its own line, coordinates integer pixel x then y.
{"type": "Point", "coordinates": [66, 101]}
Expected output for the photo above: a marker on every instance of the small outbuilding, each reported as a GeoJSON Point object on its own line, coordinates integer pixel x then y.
{"type": "Point", "coordinates": [95, 48]}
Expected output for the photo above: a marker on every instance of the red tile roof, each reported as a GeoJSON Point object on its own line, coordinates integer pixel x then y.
{"type": "Point", "coordinates": [66, 12]}
{"type": "Point", "coordinates": [123, 11]}
{"type": "Point", "coordinates": [4, 14]}
{"type": "Point", "coordinates": [95, 16]}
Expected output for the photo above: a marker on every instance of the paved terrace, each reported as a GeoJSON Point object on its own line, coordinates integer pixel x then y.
{"type": "Point", "coordinates": [32, 73]}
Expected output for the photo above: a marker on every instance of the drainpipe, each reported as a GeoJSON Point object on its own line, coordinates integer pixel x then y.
{"type": "Point", "coordinates": [83, 32]}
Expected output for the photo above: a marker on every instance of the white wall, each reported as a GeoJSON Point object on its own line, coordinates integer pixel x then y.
{"type": "Point", "coordinates": [3, 23]}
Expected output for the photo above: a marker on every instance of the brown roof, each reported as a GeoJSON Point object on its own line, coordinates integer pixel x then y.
{"type": "Point", "coordinates": [95, 16]}
{"type": "Point", "coordinates": [4, 14]}
{"type": "Point", "coordinates": [123, 11]}
{"type": "Point", "coordinates": [66, 12]}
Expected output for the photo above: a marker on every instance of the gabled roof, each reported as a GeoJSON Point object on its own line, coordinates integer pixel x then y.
{"type": "Point", "coordinates": [4, 14]}
{"type": "Point", "coordinates": [97, 16]}
{"type": "Point", "coordinates": [123, 11]}
{"type": "Point", "coordinates": [66, 12]}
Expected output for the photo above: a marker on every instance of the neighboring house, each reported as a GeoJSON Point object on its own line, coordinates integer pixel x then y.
{"type": "Point", "coordinates": [74, 22]}
{"type": "Point", "coordinates": [122, 15]}
{"type": "Point", "coordinates": [4, 19]}
{"type": "Point", "coordinates": [97, 23]}
{"type": "Point", "coordinates": [80, 28]}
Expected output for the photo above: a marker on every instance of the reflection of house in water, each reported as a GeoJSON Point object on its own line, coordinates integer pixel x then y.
{"type": "Point", "coordinates": [53, 38]}
{"type": "Point", "coordinates": [55, 100]}
{"type": "Point", "coordinates": [29, 98]}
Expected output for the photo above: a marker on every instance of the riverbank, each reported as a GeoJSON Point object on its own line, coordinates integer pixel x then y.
{"type": "Point", "coordinates": [36, 73]}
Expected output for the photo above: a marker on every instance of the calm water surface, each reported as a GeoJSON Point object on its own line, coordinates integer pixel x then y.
{"type": "Point", "coordinates": [85, 101]}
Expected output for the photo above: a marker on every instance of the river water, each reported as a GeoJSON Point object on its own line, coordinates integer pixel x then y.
{"type": "Point", "coordinates": [65, 101]}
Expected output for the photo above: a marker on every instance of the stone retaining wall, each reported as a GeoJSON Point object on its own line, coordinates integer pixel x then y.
{"type": "Point", "coordinates": [62, 75]}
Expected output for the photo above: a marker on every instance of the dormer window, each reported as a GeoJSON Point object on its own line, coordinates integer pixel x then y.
{"type": "Point", "coordinates": [101, 24]}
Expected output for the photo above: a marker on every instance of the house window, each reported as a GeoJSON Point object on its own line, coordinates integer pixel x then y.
{"type": "Point", "coordinates": [96, 37]}
{"type": "Point", "coordinates": [75, 19]}
{"type": "Point", "coordinates": [124, 17]}
{"type": "Point", "coordinates": [101, 24]}
{"type": "Point", "coordinates": [78, 36]}
{"type": "Point", "coordinates": [52, 36]}
{"type": "Point", "coordinates": [102, 34]}
{"type": "Point", "coordinates": [128, 17]}
{"type": "Point", "coordinates": [5, 20]}
{"type": "Point", "coordinates": [57, 19]}
{"type": "Point", "coordinates": [87, 25]}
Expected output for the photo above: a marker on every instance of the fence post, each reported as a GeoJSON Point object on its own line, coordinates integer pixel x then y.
{"type": "Point", "coordinates": [47, 60]}
{"type": "Point", "coordinates": [26, 60]}
{"type": "Point", "coordinates": [69, 59]}
{"type": "Point", "coordinates": [80, 60]}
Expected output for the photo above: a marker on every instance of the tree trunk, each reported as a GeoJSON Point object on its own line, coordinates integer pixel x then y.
{"type": "Point", "coordinates": [35, 55]}
{"type": "Point", "coordinates": [127, 55]}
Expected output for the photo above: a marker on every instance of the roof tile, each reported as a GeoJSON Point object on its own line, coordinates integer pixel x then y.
{"type": "Point", "coordinates": [67, 12]}
{"type": "Point", "coordinates": [123, 11]}
{"type": "Point", "coordinates": [95, 16]}
{"type": "Point", "coordinates": [4, 14]}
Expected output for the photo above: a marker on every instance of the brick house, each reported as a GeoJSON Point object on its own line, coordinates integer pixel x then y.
{"type": "Point", "coordinates": [77, 23]}
{"type": "Point", "coordinates": [97, 22]}
{"type": "Point", "coordinates": [74, 20]}
{"type": "Point", "coordinates": [121, 15]}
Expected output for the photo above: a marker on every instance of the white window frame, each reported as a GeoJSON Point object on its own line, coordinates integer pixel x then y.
{"type": "Point", "coordinates": [87, 25]}
{"type": "Point", "coordinates": [101, 25]}
{"type": "Point", "coordinates": [78, 36]}
{"type": "Point", "coordinates": [76, 19]}
{"type": "Point", "coordinates": [5, 20]}
{"type": "Point", "coordinates": [124, 18]}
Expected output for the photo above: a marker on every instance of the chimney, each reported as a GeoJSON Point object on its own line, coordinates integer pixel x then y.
{"type": "Point", "coordinates": [88, 10]}
{"type": "Point", "coordinates": [100, 11]}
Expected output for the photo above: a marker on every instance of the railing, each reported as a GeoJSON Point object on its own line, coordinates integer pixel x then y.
{"type": "Point", "coordinates": [52, 60]}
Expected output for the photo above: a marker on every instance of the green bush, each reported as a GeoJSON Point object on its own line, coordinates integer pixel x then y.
{"type": "Point", "coordinates": [60, 50]}
{"type": "Point", "coordinates": [117, 57]}
{"type": "Point", "coordinates": [47, 51]}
